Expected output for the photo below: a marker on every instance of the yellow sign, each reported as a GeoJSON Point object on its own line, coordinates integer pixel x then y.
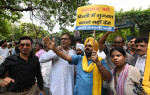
{"type": "Point", "coordinates": [146, 81]}
{"type": "Point", "coordinates": [95, 17]}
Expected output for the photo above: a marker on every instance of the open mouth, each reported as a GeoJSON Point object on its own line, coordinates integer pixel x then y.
{"type": "Point", "coordinates": [116, 62]}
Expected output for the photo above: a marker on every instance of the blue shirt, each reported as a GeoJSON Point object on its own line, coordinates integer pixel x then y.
{"type": "Point", "coordinates": [84, 80]}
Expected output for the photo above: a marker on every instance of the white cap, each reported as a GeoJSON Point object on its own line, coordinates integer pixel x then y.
{"type": "Point", "coordinates": [80, 46]}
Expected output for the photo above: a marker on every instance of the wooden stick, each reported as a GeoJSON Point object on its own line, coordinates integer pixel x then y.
{"type": "Point", "coordinates": [94, 41]}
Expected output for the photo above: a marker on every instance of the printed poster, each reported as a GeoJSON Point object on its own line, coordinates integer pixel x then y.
{"type": "Point", "coordinates": [95, 17]}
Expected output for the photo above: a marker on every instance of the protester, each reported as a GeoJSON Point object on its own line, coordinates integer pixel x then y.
{"type": "Point", "coordinates": [91, 69]}
{"type": "Point", "coordinates": [126, 80]}
{"type": "Point", "coordinates": [23, 69]}
{"type": "Point", "coordinates": [62, 78]}
{"type": "Point", "coordinates": [41, 51]}
{"type": "Point", "coordinates": [141, 47]}
{"type": "Point", "coordinates": [133, 49]}
{"type": "Point", "coordinates": [80, 49]}
{"type": "Point", "coordinates": [4, 52]}
{"type": "Point", "coordinates": [118, 41]}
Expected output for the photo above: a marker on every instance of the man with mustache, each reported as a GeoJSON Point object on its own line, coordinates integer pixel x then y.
{"type": "Point", "coordinates": [133, 49]}
{"type": "Point", "coordinates": [91, 69]}
{"type": "Point", "coordinates": [80, 49]}
{"type": "Point", "coordinates": [141, 47]}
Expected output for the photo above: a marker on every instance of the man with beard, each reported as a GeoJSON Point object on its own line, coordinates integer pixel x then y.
{"type": "Point", "coordinates": [80, 49]}
{"type": "Point", "coordinates": [141, 47]}
{"type": "Point", "coordinates": [91, 69]}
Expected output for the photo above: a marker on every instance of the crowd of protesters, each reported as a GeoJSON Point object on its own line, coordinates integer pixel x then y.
{"type": "Point", "coordinates": [92, 68]}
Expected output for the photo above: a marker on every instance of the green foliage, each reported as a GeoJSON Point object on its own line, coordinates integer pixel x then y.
{"type": "Point", "coordinates": [36, 32]}
{"type": "Point", "coordinates": [121, 32]}
{"type": "Point", "coordinates": [47, 11]}
{"type": "Point", "coordinates": [4, 28]}
{"type": "Point", "coordinates": [139, 17]}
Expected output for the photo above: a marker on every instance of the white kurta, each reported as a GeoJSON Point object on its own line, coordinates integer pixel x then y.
{"type": "Point", "coordinates": [62, 78]}
{"type": "Point", "coordinates": [46, 69]}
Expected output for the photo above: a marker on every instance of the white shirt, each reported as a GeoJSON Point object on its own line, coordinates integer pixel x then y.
{"type": "Point", "coordinates": [101, 54]}
{"type": "Point", "coordinates": [4, 52]}
{"type": "Point", "coordinates": [140, 63]}
{"type": "Point", "coordinates": [62, 78]}
{"type": "Point", "coordinates": [46, 69]}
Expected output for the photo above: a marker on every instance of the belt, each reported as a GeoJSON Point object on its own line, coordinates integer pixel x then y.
{"type": "Point", "coordinates": [22, 90]}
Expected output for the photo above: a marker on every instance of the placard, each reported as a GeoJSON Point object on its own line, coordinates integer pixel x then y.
{"type": "Point", "coordinates": [95, 17]}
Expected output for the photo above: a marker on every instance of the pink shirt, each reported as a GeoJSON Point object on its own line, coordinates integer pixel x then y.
{"type": "Point", "coordinates": [40, 52]}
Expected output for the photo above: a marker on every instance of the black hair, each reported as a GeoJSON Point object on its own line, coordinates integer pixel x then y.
{"type": "Point", "coordinates": [67, 33]}
{"type": "Point", "coordinates": [141, 39]}
{"type": "Point", "coordinates": [2, 42]}
{"type": "Point", "coordinates": [123, 40]}
{"type": "Point", "coordinates": [122, 51]}
{"type": "Point", "coordinates": [133, 38]}
{"type": "Point", "coordinates": [41, 45]}
{"type": "Point", "coordinates": [25, 38]}
{"type": "Point", "coordinates": [10, 45]}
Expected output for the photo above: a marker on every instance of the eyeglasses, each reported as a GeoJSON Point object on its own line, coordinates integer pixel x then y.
{"type": "Point", "coordinates": [27, 45]}
{"type": "Point", "coordinates": [64, 39]}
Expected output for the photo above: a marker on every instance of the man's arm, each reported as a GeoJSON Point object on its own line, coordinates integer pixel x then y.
{"type": "Point", "coordinates": [51, 46]}
{"type": "Point", "coordinates": [48, 56]}
{"type": "Point", "coordinates": [102, 40]}
{"type": "Point", "coordinates": [4, 79]}
{"type": "Point", "coordinates": [105, 74]}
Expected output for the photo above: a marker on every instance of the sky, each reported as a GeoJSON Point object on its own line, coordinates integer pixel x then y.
{"type": "Point", "coordinates": [126, 5]}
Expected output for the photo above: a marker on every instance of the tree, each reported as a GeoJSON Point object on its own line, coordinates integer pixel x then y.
{"type": "Point", "coordinates": [139, 17]}
{"type": "Point", "coordinates": [36, 32]}
{"type": "Point", "coordinates": [62, 11]}
{"type": "Point", "coordinates": [5, 29]}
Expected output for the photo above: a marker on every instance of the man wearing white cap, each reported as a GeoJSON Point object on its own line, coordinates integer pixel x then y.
{"type": "Point", "coordinates": [80, 49]}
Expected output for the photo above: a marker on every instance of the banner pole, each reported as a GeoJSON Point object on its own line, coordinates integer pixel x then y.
{"type": "Point", "coordinates": [94, 41]}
